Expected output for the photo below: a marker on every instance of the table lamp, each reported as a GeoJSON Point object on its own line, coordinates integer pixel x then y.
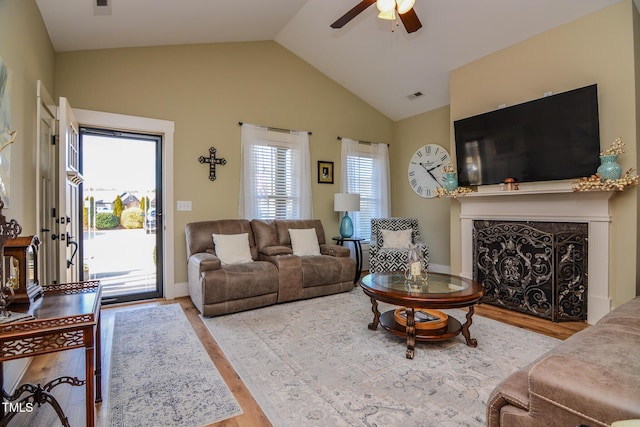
{"type": "Point", "coordinates": [345, 202]}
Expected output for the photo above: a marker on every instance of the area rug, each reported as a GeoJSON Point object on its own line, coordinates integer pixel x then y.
{"type": "Point", "coordinates": [315, 363]}
{"type": "Point", "coordinates": [161, 375]}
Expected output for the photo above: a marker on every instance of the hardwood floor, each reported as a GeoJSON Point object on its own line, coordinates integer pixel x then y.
{"type": "Point", "coordinates": [71, 362]}
{"type": "Point", "coordinates": [561, 330]}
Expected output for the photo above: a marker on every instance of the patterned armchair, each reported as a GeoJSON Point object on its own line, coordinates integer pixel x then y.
{"type": "Point", "coordinates": [382, 258]}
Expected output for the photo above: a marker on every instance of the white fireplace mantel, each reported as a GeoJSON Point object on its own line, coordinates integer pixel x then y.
{"type": "Point", "coordinates": [550, 205]}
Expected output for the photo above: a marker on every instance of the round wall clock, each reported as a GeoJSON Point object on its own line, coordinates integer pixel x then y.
{"type": "Point", "coordinates": [425, 169]}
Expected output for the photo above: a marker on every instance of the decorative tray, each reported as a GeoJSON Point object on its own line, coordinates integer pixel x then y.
{"type": "Point", "coordinates": [424, 319]}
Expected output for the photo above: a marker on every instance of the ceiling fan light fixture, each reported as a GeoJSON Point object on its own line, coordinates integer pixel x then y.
{"type": "Point", "coordinates": [385, 6]}
{"type": "Point", "coordinates": [389, 16]}
{"type": "Point", "coordinates": [405, 6]}
{"type": "Point", "coordinates": [393, 10]}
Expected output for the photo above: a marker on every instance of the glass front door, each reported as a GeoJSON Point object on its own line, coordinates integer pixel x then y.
{"type": "Point", "coordinates": [122, 218]}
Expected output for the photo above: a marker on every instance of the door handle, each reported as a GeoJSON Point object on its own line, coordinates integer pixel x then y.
{"type": "Point", "coordinates": [75, 249]}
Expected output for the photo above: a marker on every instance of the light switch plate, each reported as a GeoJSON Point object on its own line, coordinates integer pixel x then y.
{"type": "Point", "coordinates": [184, 205]}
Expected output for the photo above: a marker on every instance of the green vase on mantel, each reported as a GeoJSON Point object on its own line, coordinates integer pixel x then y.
{"type": "Point", "coordinates": [609, 167]}
{"type": "Point", "coordinates": [450, 181]}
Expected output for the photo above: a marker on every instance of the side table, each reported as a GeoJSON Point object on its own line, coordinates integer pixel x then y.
{"type": "Point", "coordinates": [67, 316]}
{"type": "Point", "coordinates": [358, 248]}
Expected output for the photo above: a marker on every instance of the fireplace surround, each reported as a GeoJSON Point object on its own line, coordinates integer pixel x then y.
{"type": "Point", "coordinates": [552, 204]}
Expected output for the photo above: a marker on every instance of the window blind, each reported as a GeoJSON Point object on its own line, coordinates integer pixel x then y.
{"type": "Point", "coordinates": [276, 190]}
{"type": "Point", "coordinates": [365, 171]}
{"type": "Point", "coordinates": [361, 172]}
{"type": "Point", "coordinates": [275, 179]}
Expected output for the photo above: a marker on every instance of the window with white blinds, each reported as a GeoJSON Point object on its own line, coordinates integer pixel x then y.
{"type": "Point", "coordinates": [276, 177]}
{"type": "Point", "coordinates": [365, 171]}
{"type": "Point", "coordinates": [360, 173]}
{"type": "Point", "coordinates": [276, 189]}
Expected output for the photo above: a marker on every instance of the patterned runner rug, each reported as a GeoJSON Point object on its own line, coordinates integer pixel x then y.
{"type": "Point", "coordinates": [315, 363]}
{"type": "Point", "coordinates": [161, 375]}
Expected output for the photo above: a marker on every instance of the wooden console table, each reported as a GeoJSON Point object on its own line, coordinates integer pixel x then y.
{"type": "Point", "coordinates": [67, 316]}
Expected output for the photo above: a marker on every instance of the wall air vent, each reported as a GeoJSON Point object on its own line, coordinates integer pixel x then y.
{"type": "Point", "coordinates": [414, 95]}
{"type": "Point", "coordinates": [102, 7]}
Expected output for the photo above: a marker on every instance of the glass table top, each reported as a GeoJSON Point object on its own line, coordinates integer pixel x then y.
{"type": "Point", "coordinates": [435, 284]}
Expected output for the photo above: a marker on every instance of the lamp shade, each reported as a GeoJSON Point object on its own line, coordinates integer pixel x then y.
{"type": "Point", "coordinates": [386, 5]}
{"type": "Point", "coordinates": [389, 16]}
{"type": "Point", "coordinates": [346, 202]}
{"type": "Point", "coordinates": [405, 6]}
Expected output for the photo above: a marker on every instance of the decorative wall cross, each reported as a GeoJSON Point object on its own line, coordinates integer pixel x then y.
{"type": "Point", "coordinates": [213, 161]}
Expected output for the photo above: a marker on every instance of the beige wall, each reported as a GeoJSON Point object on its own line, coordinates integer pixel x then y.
{"type": "Point", "coordinates": [410, 134]}
{"type": "Point", "coordinates": [595, 49]}
{"type": "Point", "coordinates": [206, 90]}
{"type": "Point", "coordinates": [27, 51]}
{"type": "Point", "coordinates": [636, 43]}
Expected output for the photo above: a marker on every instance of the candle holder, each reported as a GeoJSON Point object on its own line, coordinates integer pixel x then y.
{"type": "Point", "coordinates": [415, 272]}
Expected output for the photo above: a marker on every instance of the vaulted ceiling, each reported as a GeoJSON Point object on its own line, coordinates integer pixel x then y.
{"type": "Point", "coordinates": [381, 66]}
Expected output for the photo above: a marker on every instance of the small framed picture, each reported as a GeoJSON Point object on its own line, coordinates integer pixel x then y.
{"type": "Point", "coordinates": [325, 172]}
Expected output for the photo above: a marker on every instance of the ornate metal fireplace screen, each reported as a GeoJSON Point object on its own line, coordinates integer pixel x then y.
{"type": "Point", "coordinates": [539, 268]}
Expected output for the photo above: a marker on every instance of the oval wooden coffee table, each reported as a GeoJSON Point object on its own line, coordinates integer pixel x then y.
{"type": "Point", "coordinates": [440, 291]}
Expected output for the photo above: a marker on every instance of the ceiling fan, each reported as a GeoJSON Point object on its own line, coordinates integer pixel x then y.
{"type": "Point", "coordinates": [388, 10]}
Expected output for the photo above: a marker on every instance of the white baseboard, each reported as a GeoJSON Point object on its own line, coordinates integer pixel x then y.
{"type": "Point", "coordinates": [439, 268]}
{"type": "Point", "coordinates": [181, 289]}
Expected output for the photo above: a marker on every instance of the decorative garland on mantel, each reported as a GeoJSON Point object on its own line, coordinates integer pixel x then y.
{"type": "Point", "coordinates": [459, 191]}
{"type": "Point", "coordinates": [595, 182]}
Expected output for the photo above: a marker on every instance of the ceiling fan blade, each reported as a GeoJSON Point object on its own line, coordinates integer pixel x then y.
{"type": "Point", "coordinates": [411, 21]}
{"type": "Point", "coordinates": [352, 13]}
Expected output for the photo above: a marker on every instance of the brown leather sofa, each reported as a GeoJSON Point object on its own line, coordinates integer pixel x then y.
{"type": "Point", "coordinates": [590, 379]}
{"type": "Point", "coordinates": [275, 274]}
{"type": "Point", "coordinates": [307, 276]}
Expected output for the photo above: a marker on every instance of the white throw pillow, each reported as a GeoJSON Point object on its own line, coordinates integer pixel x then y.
{"type": "Point", "coordinates": [232, 248]}
{"type": "Point", "coordinates": [400, 239]}
{"type": "Point", "coordinates": [304, 242]}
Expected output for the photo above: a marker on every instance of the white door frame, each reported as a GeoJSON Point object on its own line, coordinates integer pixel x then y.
{"type": "Point", "coordinates": [45, 181]}
{"type": "Point", "coordinates": [165, 128]}
{"type": "Point", "coordinates": [68, 180]}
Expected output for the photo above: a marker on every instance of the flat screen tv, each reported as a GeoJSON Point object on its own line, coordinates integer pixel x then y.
{"type": "Point", "coordinates": [552, 138]}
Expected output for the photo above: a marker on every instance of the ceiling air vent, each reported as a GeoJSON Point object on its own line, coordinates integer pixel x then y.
{"type": "Point", "coordinates": [102, 7]}
{"type": "Point", "coordinates": [414, 95]}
